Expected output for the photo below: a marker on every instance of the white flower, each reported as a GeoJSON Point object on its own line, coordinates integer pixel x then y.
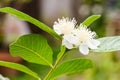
{"type": "Point", "coordinates": [81, 38]}
{"type": "Point", "coordinates": [64, 26]}
{"type": "Point", "coordinates": [76, 37]}
{"type": "Point", "coordinates": [3, 78]}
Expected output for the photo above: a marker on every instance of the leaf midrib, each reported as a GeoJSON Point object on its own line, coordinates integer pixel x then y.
{"type": "Point", "coordinates": [34, 53]}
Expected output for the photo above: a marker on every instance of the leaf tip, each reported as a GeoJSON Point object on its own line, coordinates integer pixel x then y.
{"type": "Point", "coordinates": [98, 15]}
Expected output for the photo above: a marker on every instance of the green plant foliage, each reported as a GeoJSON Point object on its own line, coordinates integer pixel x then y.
{"type": "Point", "coordinates": [33, 48]}
{"type": "Point", "coordinates": [109, 44]}
{"type": "Point", "coordinates": [60, 55]}
{"type": "Point", "coordinates": [69, 67]}
{"type": "Point", "coordinates": [90, 20]}
{"type": "Point", "coordinates": [30, 19]}
{"type": "Point", "coordinates": [19, 67]}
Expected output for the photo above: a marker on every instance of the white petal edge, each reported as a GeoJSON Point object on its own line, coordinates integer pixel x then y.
{"type": "Point", "coordinates": [67, 44]}
{"type": "Point", "coordinates": [83, 49]}
{"type": "Point", "coordinates": [96, 42]}
{"type": "Point", "coordinates": [71, 39]}
{"type": "Point", "coordinates": [57, 29]}
{"type": "Point", "coordinates": [93, 44]}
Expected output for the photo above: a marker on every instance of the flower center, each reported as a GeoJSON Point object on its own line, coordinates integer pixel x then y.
{"type": "Point", "coordinates": [84, 36]}
{"type": "Point", "coordinates": [67, 28]}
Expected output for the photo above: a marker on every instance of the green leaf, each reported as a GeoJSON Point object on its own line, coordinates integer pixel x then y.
{"type": "Point", "coordinates": [30, 19]}
{"type": "Point", "coordinates": [33, 48]}
{"type": "Point", "coordinates": [19, 67]}
{"type": "Point", "coordinates": [109, 44]}
{"type": "Point", "coordinates": [69, 67]}
{"type": "Point", "coordinates": [90, 20]}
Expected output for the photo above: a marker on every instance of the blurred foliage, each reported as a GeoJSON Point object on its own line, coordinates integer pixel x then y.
{"type": "Point", "coordinates": [99, 25]}
{"type": "Point", "coordinates": [7, 2]}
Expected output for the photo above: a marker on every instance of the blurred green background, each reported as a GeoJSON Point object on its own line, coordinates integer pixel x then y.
{"type": "Point", "coordinates": [106, 65]}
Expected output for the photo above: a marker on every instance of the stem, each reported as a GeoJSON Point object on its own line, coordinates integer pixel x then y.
{"type": "Point", "coordinates": [59, 58]}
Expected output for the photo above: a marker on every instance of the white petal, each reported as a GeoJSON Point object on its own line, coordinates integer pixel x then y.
{"type": "Point", "coordinates": [96, 42]}
{"type": "Point", "coordinates": [64, 26]}
{"type": "Point", "coordinates": [67, 44]}
{"type": "Point", "coordinates": [84, 49]}
{"type": "Point", "coordinates": [71, 39]}
{"type": "Point", "coordinates": [57, 29]}
{"type": "Point", "coordinates": [93, 44]}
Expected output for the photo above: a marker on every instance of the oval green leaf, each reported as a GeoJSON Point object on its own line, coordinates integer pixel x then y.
{"type": "Point", "coordinates": [33, 48]}
{"type": "Point", "coordinates": [19, 67]}
{"type": "Point", "coordinates": [90, 20]}
{"type": "Point", "coordinates": [109, 44]}
{"type": "Point", "coordinates": [30, 19]}
{"type": "Point", "coordinates": [69, 67]}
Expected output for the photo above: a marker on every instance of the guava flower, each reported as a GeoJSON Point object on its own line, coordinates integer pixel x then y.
{"type": "Point", "coordinates": [76, 37]}
{"type": "Point", "coordinates": [3, 78]}
{"type": "Point", "coordinates": [64, 26]}
{"type": "Point", "coordinates": [81, 38]}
